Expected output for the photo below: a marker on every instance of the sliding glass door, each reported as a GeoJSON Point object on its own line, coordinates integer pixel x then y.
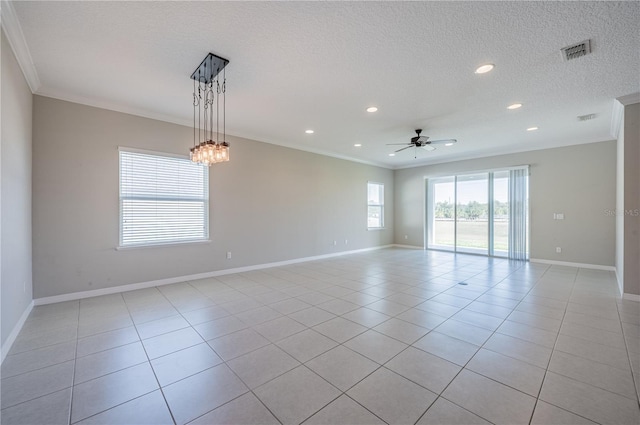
{"type": "Point", "coordinates": [475, 213]}
{"type": "Point", "coordinates": [472, 213]}
{"type": "Point", "coordinates": [442, 226]}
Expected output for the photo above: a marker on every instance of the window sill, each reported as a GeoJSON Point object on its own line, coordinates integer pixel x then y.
{"type": "Point", "coordinates": [163, 245]}
{"type": "Point", "coordinates": [376, 228]}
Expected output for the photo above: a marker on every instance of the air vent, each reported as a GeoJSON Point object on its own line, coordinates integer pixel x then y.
{"type": "Point", "coordinates": [577, 50]}
{"type": "Point", "coordinates": [586, 117]}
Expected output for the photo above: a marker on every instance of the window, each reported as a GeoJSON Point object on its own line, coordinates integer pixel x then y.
{"type": "Point", "coordinates": [375, 205]}
{"type": "Point", "coordinates": [163, 199]}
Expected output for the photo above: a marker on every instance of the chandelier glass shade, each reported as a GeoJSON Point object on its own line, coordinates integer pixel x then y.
{"type": "Point", "coordinates": [209, 146]}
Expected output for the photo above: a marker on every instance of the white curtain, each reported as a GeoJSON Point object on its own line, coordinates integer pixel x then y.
{"type": "Point", "coordinates": [518, 194]}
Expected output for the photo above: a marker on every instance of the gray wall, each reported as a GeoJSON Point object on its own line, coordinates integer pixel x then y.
{"type": "Point", "coordinates": [268, 203]}
{"type": "Point", "coordinates": [631, 199]}
{"type": "Point", "coordinates": [578, 181]}
{"type": "Point", "coordinates": [15, 192]}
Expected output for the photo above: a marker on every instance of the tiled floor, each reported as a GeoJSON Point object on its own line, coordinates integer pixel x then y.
{"type": "Point", "coordinates": [388, 336]}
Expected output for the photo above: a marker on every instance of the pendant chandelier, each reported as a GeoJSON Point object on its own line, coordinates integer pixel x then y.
{"type": "Point", "coordinates": [208, 91]}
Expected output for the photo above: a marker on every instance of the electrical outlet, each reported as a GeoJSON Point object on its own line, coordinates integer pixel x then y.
{"type": "Point", "coordinates": [335, 243]}
{"type": "Point", "coordinates": [558, 250]}
{"type": "Point", "coordinates": [346, 241]}
{"type": "Point", "coordinates": [406, 237]}
{"type": "Point", "coordinates": [228, 255]}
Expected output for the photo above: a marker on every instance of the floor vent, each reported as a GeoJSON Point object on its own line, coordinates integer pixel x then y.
{"type": "Point", "coordinates": [577, 50]}
{"type": "Point", "coordinates": [463, 283]}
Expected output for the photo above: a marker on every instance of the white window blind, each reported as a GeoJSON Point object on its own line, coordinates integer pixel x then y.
{"type": "Point", "coordinates": [375, 205]}
{"type": "Point", "coordinates": [163, 199]}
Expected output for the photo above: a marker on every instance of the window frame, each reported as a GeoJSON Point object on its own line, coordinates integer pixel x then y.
{"type": "Point", "coordinates": [380, 205]}
{"type": "Point", "coordinates": [121, 198]}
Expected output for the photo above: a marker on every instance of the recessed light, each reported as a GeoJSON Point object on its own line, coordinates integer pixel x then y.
{"type": "Point", "coordinates": [485, 68]}
{"type": "Point", "coordinates": [515, 106]}
{"type": "Point", "coordinates": [532, 128]}
{"type": "Point", "coordinates": [309, 131]}
{"type": "Point", "coordinates": [372, 109]}
{"type": "Point", "coordinates": [392, 154]}
{"type": "Point", "coordinates": [357, 145]}
{"type": "Point", "coordinates": [448, 144]}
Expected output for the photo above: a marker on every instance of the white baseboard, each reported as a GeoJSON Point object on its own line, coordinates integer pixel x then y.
{"type": "Point", "coordinates": [160, 282]}
{"type": "Point", "coordinates": [620, 283]}
{"type": "Point", "coordinates": [15, 331]}
{"type": "Point", "coordinates": [397, 245]}
{"type": "Point", "coordinates": [569, 264]}
{"type": "Point", "coordinates": [631, 297]}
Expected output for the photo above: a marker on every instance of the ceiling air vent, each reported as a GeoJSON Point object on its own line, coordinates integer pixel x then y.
{"type": "Point", "coordinates": [586, 117]}
{"type": "Point", "coordinates": [576, 50]}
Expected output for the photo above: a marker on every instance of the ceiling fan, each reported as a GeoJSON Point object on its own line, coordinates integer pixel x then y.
{"type": "Point", "coordinates": [423, 142]}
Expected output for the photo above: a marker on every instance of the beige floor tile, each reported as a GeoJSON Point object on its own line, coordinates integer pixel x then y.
{"type": "Point", "coordinates": [184, 363]}
{"type": "Point", "coordinates": [375, 346]}
{"type": "Point", "coordinates": [425, 369]}
{"type": "Point", "coordinates": [344, 410]}
{"type": "Point", "coordinates": [593, 351]}
{"type": "Point", "coordinates": [245, 410]}
{"type": "Point", "coordinates": [480, 320]}
{"type": "Point", "coordinates": [507, 370]}
{"type": "Point", "coordinates": [306, 345]}
{"type": "Point", "coordinates": [238, 343]}
{"type": "Point", "coordinates": [593, 373]}
{"type": "Point", "coordinates": [425, 319]}
{"type": "Point", "coordinates": [546, 414]}
{"type": "Point", "coordinates": [464, 331]}
{"type": "Point", "coordinates": [296, 395]}
{"type": "Point", "coordinates": [446, 347]}
{"type": "Point", "coordinates": [590, 402]}
{"type": "Point", "coordinates": [279, 328]}
{"type": "Point", "coordinates": [108, 361]}
{"type": "Point", "coordinates": [104, 341]}
{"type": "Point", "coordinates": [366, 317]}
{"type": "Point", "coordinates": [206, 314]}
{"type": "Point", "coordinates": [392, 397]}
{"type": "Point", "coordinates": [534, 354]}
{"type": "Point", "coordinates": [401, 330]}
{"type": "Point", "coordinates": [443, 412]}
{"type": "Point", "coordinates": [611, 339]}
{"type": "Point", "coordinates": [51, 409]}
{"type": "Point", "coordinates": [147, 409]}
{"type": "Point", "coordinates": [219, 327]}
{"type": "Point", "coordinates": [262, 365]}
{"type": "Point", "coordinates": [490, 400]}
{"type": "Point", "coordinates": [528, 333]}
{"type": "Point", "coordinates": [37, 383]}
{"type": "Point", "coordinates": [342, 367]}
{"type": "Point", "coordinates": [192, 397]}
{"type": "Point", "coordinates": [312, 316]}
{"type": "Point", "coordinates": [37, 359]}
{"type": "Point", "coordinates": [171, 342]}
{"type": "Point", "coordinates": [108, 391]}
{"type": "Point", "coordinates": [339, 329]}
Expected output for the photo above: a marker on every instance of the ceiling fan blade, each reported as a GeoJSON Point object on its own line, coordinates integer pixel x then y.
{"type": "Point", "coordinates": [442, 142]}
{"type": "Point", "coordinates": [422, 139]}
{"type": "Point", "coordinates": [398, 144]}
{"type": "Point", "coordinates": [405, 148]}
{"type": "Point", "coordinates": [428, 148]}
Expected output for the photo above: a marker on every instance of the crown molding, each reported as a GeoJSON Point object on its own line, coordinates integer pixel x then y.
{"type": "Point", "coordinates": [629, 99]}
{"type": "Point", "coordinates": [15, 37]}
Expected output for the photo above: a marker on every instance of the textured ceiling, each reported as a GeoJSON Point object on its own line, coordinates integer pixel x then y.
{"type": "Point", "coordinates": [319, 65]}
